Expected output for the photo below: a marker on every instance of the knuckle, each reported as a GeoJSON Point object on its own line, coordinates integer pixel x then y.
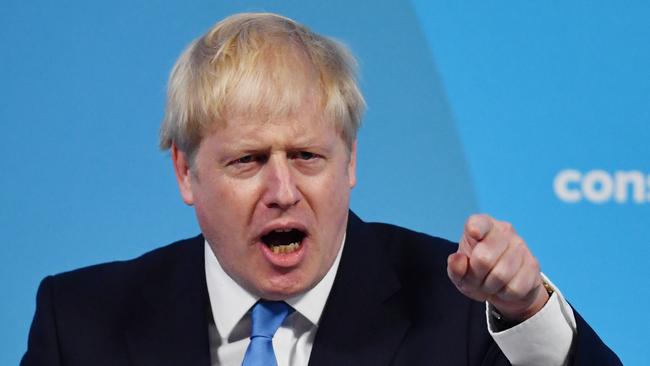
{"type": "Point", "coordinates": [482, 256]}
{"type": "Point", "coordinates": [500, 276]}
{"type": "Point", "coordinates": [507, 227]}
{"type": "Point", "coordinates": [494, 284]}
{"type": "Point", "coordinates": [518, 243]}
{"type": "Point", "coordinates": [520, 248]}
{"type": "Point", "coordinates": [535, 265]}
{"type": "Point", "coordinates": [514, 291]}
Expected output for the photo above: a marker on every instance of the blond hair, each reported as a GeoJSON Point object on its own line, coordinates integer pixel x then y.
{"type": "Point", "coordinates": [247, 63]}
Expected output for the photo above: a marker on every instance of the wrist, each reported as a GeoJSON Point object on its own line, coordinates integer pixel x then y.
{"type": "Point", "coordinates": [506, 316]}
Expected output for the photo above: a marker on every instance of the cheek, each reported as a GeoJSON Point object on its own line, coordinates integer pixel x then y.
{"type": "Point", "coordinates": [230, 196]}
{"type": "Point", "coordinates": [329, 198]}
{"type": "Point", "coordinates": [221, 210]}
{"type": "Point", "coordinates": [338, 188]}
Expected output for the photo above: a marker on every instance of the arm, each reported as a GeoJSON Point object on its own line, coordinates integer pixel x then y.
{"type": "Point", "coordinates": [544, 339]}
{"type": "Point", "coordinates": [43, 345]}
{"type": "Point", "coordinates": [494, 264]}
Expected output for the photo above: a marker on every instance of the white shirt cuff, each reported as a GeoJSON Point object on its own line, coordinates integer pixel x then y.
{"type": "Point", "coordinates": [544, 339]}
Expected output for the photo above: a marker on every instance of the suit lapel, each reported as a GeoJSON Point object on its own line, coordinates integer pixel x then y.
{"type": "Point", "coordinates": [171, 326]}
{"type": "Point", "coordinates": [364, 319]}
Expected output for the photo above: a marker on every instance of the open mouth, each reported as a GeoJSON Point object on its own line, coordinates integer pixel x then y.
{"type": "Point", "coordinates": [284, 241]}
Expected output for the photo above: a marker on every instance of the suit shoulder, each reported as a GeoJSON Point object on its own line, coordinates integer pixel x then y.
{"type": "Point", "coordinates": [407, 239]}
{"type": "Point", "coordinates": [411, 253]}
{"type": "Point", "coordinates": [106, 277]}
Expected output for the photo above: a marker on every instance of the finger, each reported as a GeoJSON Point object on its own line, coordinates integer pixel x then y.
{"type": "Point", "coordinates": [484, 257]}
{"type": "Point", "coordinates": [507, 266]}
{"type": "Point", "coordinates": [522, 288]}
{"type": "Point", "coordinates": [457, 265]}
{"type": "Point", "coordinates": [477, 227]}
{"type": "Point", "coordinates": [464, 245]}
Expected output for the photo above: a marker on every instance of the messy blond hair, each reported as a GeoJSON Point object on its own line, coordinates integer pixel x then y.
{"type": "Point", "coordinates": [246, 63]}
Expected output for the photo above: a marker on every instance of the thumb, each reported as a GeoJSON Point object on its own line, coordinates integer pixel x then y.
{"type": "Point", "coordinates": [457, 266]}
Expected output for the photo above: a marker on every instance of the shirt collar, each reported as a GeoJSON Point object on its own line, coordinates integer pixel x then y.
{"type": "Point", "coordinates": [230, 302]}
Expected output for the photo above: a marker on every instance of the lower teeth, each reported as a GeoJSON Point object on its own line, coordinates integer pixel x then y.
{"type": "Point", "coordinates": [290, 248]}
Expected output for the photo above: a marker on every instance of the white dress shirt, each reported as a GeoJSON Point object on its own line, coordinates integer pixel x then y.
{"type": "Point", "coordinates": [544, 339]}
{"type": "Point", "coordinates": [229, 337]}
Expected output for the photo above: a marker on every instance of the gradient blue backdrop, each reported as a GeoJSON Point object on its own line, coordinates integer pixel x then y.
{"type": "Point", "coordinates": [473, 106]}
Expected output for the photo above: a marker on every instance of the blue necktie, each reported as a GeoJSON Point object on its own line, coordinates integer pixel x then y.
{"type": "Point", "coordinates": [267, 317]}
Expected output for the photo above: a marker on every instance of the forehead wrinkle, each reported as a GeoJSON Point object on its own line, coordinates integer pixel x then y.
{"type": "Point", "coordinates": [263, 136]}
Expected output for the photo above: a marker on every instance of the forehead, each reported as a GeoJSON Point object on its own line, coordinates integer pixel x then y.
{"type": "Point", "coordinates": [306, 130]}
{"type": "Point", "coordinates": [307, 125]}
{"type": "Point", "coordinates": [287, 102]}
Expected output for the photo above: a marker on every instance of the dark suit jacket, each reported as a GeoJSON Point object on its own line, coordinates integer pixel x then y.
{"type": "Point", "coordinates": [391, 304]}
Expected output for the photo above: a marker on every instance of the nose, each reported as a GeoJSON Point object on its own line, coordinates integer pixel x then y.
{"type": "Point", "coordinates": [281, 189]}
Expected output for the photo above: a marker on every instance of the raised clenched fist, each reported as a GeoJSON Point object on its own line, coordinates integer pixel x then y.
{"type": "Point", "coordinates": [493, 263]}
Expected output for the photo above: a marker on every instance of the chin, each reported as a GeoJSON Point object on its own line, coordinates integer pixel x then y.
{"type": "Point", "coordinates": [279, 294]}
{"type": "Point", "coordinates": [283, 288]}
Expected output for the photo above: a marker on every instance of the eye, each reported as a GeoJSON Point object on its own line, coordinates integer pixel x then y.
{"type": "Point", "coordinates": [248, 159]}
{"type": "Point", "coordinates": [244, 160]}
{"type": "Point", "coordinates": [304, 155]}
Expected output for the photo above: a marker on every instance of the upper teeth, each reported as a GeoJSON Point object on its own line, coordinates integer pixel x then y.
{"type": "Point", "coordinates": [282, 230]}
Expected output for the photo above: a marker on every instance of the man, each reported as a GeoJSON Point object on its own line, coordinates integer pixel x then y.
{"type": "Point", "coordinates": [261, 122]}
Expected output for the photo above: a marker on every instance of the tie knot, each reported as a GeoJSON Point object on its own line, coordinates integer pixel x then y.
{"type": "Point", "coordinates": [267, 317]}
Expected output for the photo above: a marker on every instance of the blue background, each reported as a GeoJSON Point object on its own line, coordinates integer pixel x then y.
{"type": "Point", "coordinates": [473, 106]}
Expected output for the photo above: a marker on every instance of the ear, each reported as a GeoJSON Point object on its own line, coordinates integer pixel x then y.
{"type": "Point", "coordinates": [352, 165]}
{"type": "Point", "coordinates": [183, 178]}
